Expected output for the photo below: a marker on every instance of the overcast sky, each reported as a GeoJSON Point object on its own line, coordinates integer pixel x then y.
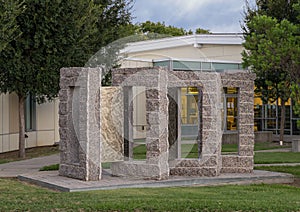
{"type": "Point", "coordinates": [215, 15]}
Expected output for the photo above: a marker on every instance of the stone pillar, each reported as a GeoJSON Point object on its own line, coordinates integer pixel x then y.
{"type": "Point", "coordinates": [79, 122]}
{"type": "Point", "coordinates": [157, 117]}
{"type": "Point", "coordinates": [211, 126]}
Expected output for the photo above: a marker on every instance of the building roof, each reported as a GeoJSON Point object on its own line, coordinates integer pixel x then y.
{"type": "Point", "coordinates": [194, 40]}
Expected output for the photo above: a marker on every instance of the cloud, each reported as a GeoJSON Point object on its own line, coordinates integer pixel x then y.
{"type": "Point", "coordinates": [216, 15]}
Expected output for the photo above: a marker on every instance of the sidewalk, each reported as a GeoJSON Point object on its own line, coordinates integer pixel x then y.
{"type": "Point", "coordinates": [28, 170]}
{"type": "Point", "coordinates": [14, 169]}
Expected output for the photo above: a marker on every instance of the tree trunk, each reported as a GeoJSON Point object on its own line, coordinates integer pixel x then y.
{"type": "Point", "coordinates": [21, 127]}
{"type": "Point", "coordinates": [282, 122]}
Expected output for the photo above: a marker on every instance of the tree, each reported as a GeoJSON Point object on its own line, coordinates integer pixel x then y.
{"type": "Point", "coordinates": [270, 53]}
{"type": "Point", "coordinates": [279, 9]}
{"type": "Point", "coordinates": [163, 29]}
{"type": "Point", "coordinates": [55, 34]}
{"type": "Point", "coordinates": [295, 72]}
{"type": "Point", "coordinates": [202, 31]}
{"type": "Point", "coordinates": [285, 13]}
{"type": "Point", "coordinates": [9, 10]}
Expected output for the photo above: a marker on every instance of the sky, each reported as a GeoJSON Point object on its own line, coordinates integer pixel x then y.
{"type": "Point", "coordinates": [214, 15]}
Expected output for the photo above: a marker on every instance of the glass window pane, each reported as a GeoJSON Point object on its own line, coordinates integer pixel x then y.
{"type": "Point", "coordinates": [189, 105]}
{"type": "Point", "coordinates": [231, 108]}
{"type": "Point", "coordinates": [30, 113]}
{"type": "Point", "coordinates": [206, 66]}
{"type": "Point", "coordinates": [296, 126]}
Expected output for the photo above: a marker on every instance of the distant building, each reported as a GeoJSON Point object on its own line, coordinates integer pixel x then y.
{"type": "Point", "coordinates": [41, 123]}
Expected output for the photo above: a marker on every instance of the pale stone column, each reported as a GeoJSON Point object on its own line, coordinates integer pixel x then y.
{"type": "Point", "coordinates": [79, 122]}
{"type": "Point", "coordinates": [157, 143]}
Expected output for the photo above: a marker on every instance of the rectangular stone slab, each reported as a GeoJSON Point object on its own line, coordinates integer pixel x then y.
{"type": "Point", "coordinates": [111, 116]}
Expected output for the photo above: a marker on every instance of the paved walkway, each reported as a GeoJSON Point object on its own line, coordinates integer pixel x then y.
{"type": "Point", "coordinates": [14, 169]}
{"type": "Point", "coordinates": [28, 170]}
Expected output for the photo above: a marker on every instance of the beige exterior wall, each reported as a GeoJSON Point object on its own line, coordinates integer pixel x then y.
{"type": "Point", "coordinates": [135, 63]}
{"type": "Point", "coordinates": [46, 132]}
{"type": "Point", "coordinates": [206, 52]}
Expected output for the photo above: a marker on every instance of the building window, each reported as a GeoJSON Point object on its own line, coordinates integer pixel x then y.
{"type": "Point", "coordinates": [189, 105]}
{"type": "Point", "coordinates": [30, 113]}
{"type": "Point", "coordinates": [231, 109]}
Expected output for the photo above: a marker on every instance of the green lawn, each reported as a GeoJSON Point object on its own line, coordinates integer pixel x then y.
{"type": "Point", "coordinates": [294, 170]}
{"type": "Point", "coordinates": [276, 157]}
{"type": "Point", "coordinates": [16, 196]}
{"type": "Point", "coordinates": [257, 146]}
{"type": "Point", "coordinates": [190, 151]}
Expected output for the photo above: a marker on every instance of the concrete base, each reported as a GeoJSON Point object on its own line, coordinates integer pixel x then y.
{"type": "Point", "coordinates": [52, 180]}
{"type": "Point", "coordinates": [296, 145]}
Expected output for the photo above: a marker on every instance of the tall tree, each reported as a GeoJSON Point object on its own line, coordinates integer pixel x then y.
{"type": "Point", "coordinates": [295, 71]}
{"type": "Point", "coordinates": [270, 52]}
{"type": "Point", "coordinates": [55, 34]}
{"type": "Point", "coordinates": [9, 30]}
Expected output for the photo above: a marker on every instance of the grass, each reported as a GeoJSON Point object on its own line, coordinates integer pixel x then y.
{"type": "Point", "coordinates": [30, 153]}
{"type": "Point", "coordinates": [139, 152]}
{"type": "Point", "coordinates": [276, 157]}
{"type": "Point", "coordinates": [294, 170]}
{"type": "Point", "coordinates": [16, 196]}
{"type": "Point", "coordinates": [270, 145]}
{"type": "Point", "coordinates": [257, 146]}
{"type": "Point", "coordinates": [191, 151]}
{"type": "Point", "coordinates": [229, 148]}
{"type": "Point", "coordinates": [50, 167]}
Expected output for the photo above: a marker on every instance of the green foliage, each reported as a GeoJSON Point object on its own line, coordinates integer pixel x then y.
{"type": "Point", "coordinates": [57, 34]}
{"type": "Point", "coordinates": [161, 28]}
{"type": "Point", "coordinates": [202, 31]}
{"type": "Point", "coordinates": [279, 9]}
{"type": "Point", "coordinates": [270, 49]}
{"type": "Point", "coordinates": [53, 34]}
{"type": "Point", "coordinates": [9, 30]}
